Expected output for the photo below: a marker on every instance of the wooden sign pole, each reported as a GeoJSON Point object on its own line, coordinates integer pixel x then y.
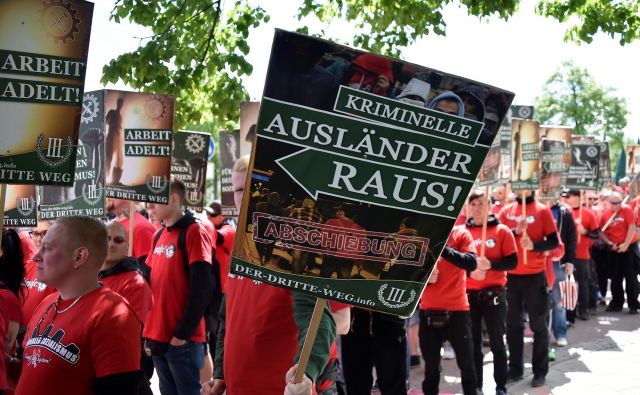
{"type": "Point", "coordinates": [485, 216]}
{"type": "Point", "coordinates": [3, 194]}
{"type": "Point", "coordinates": [310, 339]}
{"type": "Point", "coordinates": [524, 216]}
{"type": "Point", "coordinates": [580, 215]}
{"type": "Point", "coordinates": [614, 214]}
{"type": "Point", "coordinates": [132, 212]}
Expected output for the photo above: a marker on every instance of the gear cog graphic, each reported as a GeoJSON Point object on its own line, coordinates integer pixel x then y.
{"type": "Point", "coordinates": [90, 109]}
{"type": "Point", "coordinates": [195, 143]}
{"type": "Point", "coordinates": [59, 20]}
{"type": "Point", "coordinates": [155, 108]}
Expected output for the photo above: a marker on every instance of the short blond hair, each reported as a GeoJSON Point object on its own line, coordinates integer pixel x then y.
{"type": "Point", "coordinates": [82, 231]}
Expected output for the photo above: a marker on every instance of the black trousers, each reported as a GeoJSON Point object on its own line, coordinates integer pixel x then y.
{"type": "Point", "coordinates": [493, 309]}
{"type": "Point", "coordinates": [458, 332]}
{"type": "Point", "coordinates": [623, 269]}
{"type": "Point", "coordinates": [532, 290]}
{"type": "Point", "coordinates": [375, 340]}
{"type": "Point", "coordinates": [583, 278]}
{"type": "Point", "coordinates": [601, 258]}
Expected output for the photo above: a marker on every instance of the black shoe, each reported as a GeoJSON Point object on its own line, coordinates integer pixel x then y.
{"type": "Point", "coordinates": [512, 378]}
{"type": "Point", "coordinates": [613, 309]}
{"type": "Point", "coordinates": [633, 311]}
{"type": "Point", "coordinates": [538, 381]}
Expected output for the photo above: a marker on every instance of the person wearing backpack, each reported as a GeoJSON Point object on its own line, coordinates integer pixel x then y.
{"type": "Point", "coordinates": [182, 285]}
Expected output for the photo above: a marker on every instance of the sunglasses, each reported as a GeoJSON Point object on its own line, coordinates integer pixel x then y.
{"type": "Point", "coordinates": [117, 239]}
{"type": "Point", "coordinates": [38, 234]}
{"type": "Point", "coordinates": [616, 203]}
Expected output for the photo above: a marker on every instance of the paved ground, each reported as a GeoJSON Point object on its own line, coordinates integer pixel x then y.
{"type": "Point", "coordinates": [603, 357]}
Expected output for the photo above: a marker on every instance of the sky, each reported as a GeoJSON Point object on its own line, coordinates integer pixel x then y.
{"type": "Point", "coordinates": [518, 55]}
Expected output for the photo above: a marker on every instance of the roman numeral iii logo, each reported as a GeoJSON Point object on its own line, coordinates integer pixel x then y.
{"type": "Point", "coordinates": [395, 298]}
{"type": "Point", "coordinates": [56, 152]}
{"type": "Point", "coordinates": [25, 205]}
{"type": "Point", "coordinates": [156, 183]}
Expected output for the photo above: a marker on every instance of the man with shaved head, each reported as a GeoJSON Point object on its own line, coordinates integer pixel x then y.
{"type": "Point", "coordinates": [85, 338]}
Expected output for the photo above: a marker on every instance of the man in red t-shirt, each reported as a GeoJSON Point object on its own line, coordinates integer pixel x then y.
{"type": "Point", "coordinates": [619, 233]}
{"type": "Point", "coordinates": [587, 228]}
{"type": "Point", "coordinates": [143, 230]}
{"type": "Point", "coordinates": [527, 284]}
{"type": "Point", "coordinates": [84, 339]}
{"type": "Point", "coordinates": [486, 287]}
{"type": "Point", "coordinates": [175, 329]}
{"type": "Point", "coordinates": [444, 313]}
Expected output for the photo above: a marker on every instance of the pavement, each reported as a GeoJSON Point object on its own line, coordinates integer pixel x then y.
{"type": "Point", "coordinates": [603, 357]}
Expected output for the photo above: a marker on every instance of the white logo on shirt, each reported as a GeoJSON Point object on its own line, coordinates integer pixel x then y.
{"type": "Point", "coordinates": [167, 251]}
{"type": "Point", "coordinates": [530, 218]}
{"type": "Point", "coordinates": [34, 359]}
{"type": "Point", "coordinates": [30, 284]}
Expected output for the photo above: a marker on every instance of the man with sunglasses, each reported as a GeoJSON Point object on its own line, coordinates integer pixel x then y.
{"type": "Point", "coordinates": [83, 339]}
{"type": "Point", "coordinates": [619, 233]}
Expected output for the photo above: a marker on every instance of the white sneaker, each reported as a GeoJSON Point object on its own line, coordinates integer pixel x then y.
{"type": "Point", "coordinates": [447, 351]}
{"type": "Point", "coordinates": [561, 342]}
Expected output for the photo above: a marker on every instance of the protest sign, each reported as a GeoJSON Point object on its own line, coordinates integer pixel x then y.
{"type": "Point", "coordinates": [248, 120]}
{"type": "Point", "coordinates": [583, 170]}
{"type": "Point", "coordinates": [633, 160]}
{"type": "Point", "coordinates": [87, 195]}
{"type": "Point", "coordinates": [551, 168]}
{"type": "Point", "coordinates": [363, 189]}
{"type": "Point", "coordinates": [229, 154]}
{"type": "Point", "coordinates": [604, 166]}
{"type": "Point", "coordinates": [490, 170]}
{"type": "Point", "coordinates": [522, 112]}
{"type": "Point", "coordinates": [580, 139]}
{"type": "Point", "coordinates": [525, 154]}
{"type": "Point", "coordinates": [561, 133]}
{"type": "Point", "coordinates": [20, 206]}
{"type": "Point", "coordinates": [189, 164]}
{"type": "Point", "coordinates": [138, 135]}
{"type": "Point", "coordinates": [634, 186]}
{"type": "Point", "coordinates": [43, 54]}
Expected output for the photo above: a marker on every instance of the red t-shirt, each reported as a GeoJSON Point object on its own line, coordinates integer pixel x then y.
{"type": "Point", "coordinates": [9, 312]}
{"type": "Point", "coordinates": [450, 291]}
{"type": "Point", "coordinates": [617, 230]}
{"type": "Point", "coordinates": [170, 282]}
{"type": "Point", "coordinates": [33, 292]}
{"type": "Point", "coordinates": [260, 323]}
{"type": "Point", "coordinates": [142, 234]}
{"type": "Point", "coordinates": [499, 244]}
{"type": "Point", "coordinates": [65, 352]}
{"type": "Point", "coordinates": [590, 223]}
{"type": "Point", "coordinates": [540, 223]}
{"type": "Point", "coordinates": [495, 208]}
{"type": "Point", "coordinates": [28, 247]}
{"type": "Point", "coordinates": [223, 253]}
{"type": "Point", "coordinates": [132, 286]}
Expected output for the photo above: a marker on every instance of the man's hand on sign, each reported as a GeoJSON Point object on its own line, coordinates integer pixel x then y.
{"type": "Point", "coordinates": [478, 275]}
{"type": "Point", "coordinates": [580, 228]}
{"type": "Point", "coordinates": [484, 264]}
{"type": "Point", "coordinates": [622, 247]}
{"type": "Point", "coordinates": [302, 388]}
{"type": "Point", "coordinates": [521, 226]}
{"type": "Point", "coordinates": [433, 278]}
{"type": "Point", "coordinates": [213, 387]}
{"type": "Point", "coordinates": [526, 243]}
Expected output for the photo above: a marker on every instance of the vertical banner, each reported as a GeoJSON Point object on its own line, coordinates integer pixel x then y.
{"type": "Point", "coordinates": [355, 185]}
{"type": "Point", "coordinates": [138, 145]}
{"type": "Point", "coordinates": [551, 168]}
{"type": "Point", "coordinates": [248, 120]}
{"type": "Point", "coordinates": [525, 154]}
{"type": "Point", "coordinates": [189, 164]}
{"type": "Point", "coordinates": [633, 160]}
{"type": "Point", "coordinates": [20, 206]}
{"type": "Point", "coordinates": [229, 154]}
{"type": "Point", "coordinates": [87, 195]}
{"type": "Point", "coordinates": [583, 170]}
{"type": "Point", "coordinates": [43, 57]}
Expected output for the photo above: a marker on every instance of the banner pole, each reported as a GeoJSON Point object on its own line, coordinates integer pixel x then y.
{"type": "Point", "coordinates": [132, 211]}
{"type": "Point", "coordinates": [614, 214]}
{"type": "Point", "coordinates": [3, 195]}
{"type": "Point", "coordinates": [485, 216]}
{"type": "Point", "coordinates": [580, 215]}
{"type": "Point", "coordinates": [310, 339]}
{"type": "Point", "coordinates": [524, 216]}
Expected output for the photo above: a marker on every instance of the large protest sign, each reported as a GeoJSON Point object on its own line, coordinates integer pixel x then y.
{"type": "Point", "coordinates": [87, 195]}
{"type": "Point", "coordinates": [189, 164]}
{"type": "Point", "coordinates": [229, 154]}
{"type": "Point", "coordinates": [525, 154]}
{"type": "Point", "coordinates": [561, 133]}
{"type": "Point", "coordinates": [633, 160]}
{"type": "Point", "coordinates": [20, 206]}
{"type": "Point", "coordinates": [604, 166]}
{"type": "Point", "coordinates": [551, 168]}
{"type": "Point", "coordinates": [138, 140]}
{"type": "Point", "coordinates": [43, 54]}
{"type": "Point", "coordinates": [248, 120]}
{"type": "Point", "coordinates": [522, 112]}
{"type": "Point", "coordinates": [583, 170]}
{"type": "Point", "coordinates": [363, 187]}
